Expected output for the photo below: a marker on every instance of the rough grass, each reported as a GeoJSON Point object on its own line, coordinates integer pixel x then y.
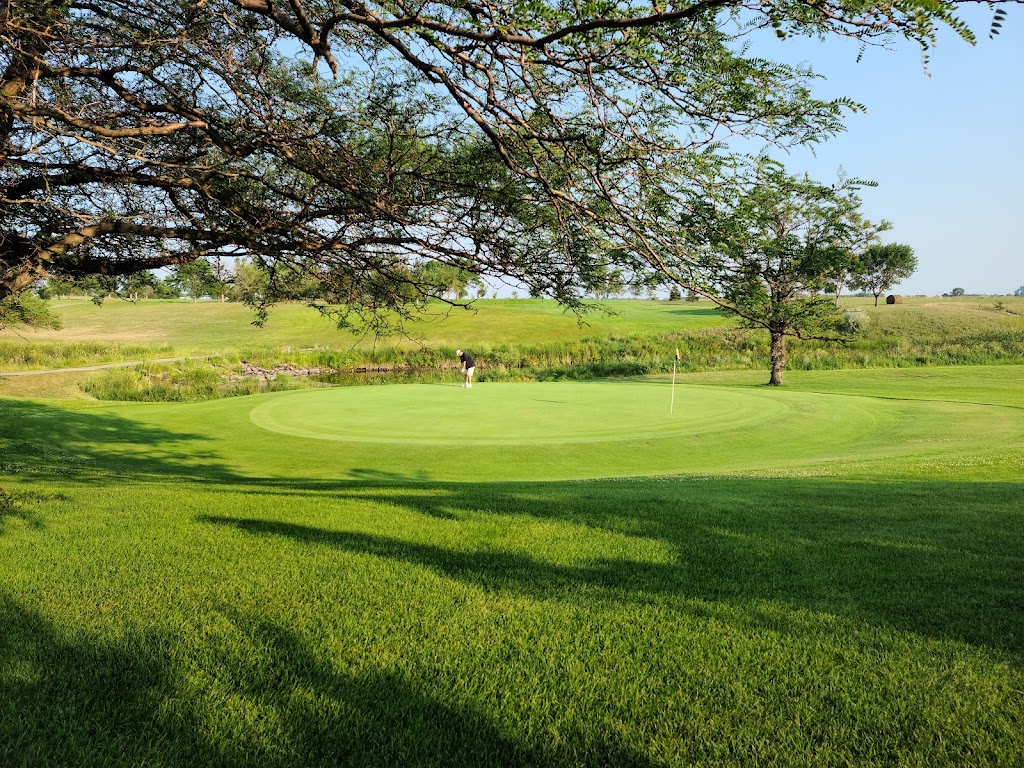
{"type": "Point", "coordinates": [524, 340]}
{"type": "Point", "coordinates": [184, 381]}
{"type": "Point", "coordinates": [521, 339]}
{"type": "Point", "coordinates": [215, 328]}
{"type": "Point", "coordinates": [17, 354]}
{"type": "Point", "coordinates": [56, 386]}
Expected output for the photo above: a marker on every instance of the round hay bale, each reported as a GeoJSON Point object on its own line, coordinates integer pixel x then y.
{"type": "Point", "coordinates": [893, 298]}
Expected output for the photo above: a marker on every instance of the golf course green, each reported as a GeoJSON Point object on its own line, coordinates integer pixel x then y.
{"type": "Point", "coordinates": [507, 414]}
{"type": "Point", "coordinates": [568, 430]}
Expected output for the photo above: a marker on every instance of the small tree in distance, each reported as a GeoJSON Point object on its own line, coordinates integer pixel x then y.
{"type": "Point", "coordinates": [882, 266]}
{"type": "Point", "coordinates": [769, 246]}
{"type": "Point", "coordinates": [194, 279]}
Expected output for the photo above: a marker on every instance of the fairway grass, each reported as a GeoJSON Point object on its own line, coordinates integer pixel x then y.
{"type": "Point", "coordinates": [548, 574]}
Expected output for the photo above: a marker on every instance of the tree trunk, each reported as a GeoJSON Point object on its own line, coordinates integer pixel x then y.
{"type": "Point", "coordinates": [778, 358]}
{"type": "Point", "coordinates": [876, 298]}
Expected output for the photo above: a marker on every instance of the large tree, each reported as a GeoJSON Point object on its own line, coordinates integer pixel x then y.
{"type": "Point", "coordinates": [765, 246]}
{"type": "Point", "coordinates": [194, 279]}
{"type": "Point", "coordinates": [348, 140]}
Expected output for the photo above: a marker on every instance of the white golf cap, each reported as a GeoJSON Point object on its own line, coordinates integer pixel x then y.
{"type": "Point", "coordinates": [458, 351]}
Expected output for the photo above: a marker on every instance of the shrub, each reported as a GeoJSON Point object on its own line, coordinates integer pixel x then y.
{"type": "Point", "coordinates": [854, 322]}
{"type": "Point", "coordinates": [187, 381]}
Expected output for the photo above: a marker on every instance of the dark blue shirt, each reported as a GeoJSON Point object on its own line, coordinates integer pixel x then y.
{"type": "Point", "coordinates": [467, 360]}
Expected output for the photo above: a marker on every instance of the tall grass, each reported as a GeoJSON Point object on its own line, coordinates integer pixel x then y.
{"type": "Point", "coordinates": [186, 381]}
{"type": "Point", "coordinates": [894, 342]}
{"type": "Point", "coordinates": [883, 337]}
{"type": "Point", "coordinates": [713, 349]}
{"type": "Point", "coordinates": [28, 355]}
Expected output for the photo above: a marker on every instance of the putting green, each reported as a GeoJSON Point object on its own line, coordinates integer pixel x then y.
{"type": "Point", "coordinates": [511, 414]}
{"type": "Point", "coordinates": [546, 431]}
{"type": "Point", "coordinates": [561, 430]}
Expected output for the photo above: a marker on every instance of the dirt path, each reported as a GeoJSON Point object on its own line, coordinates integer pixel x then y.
{"type": "Point", "coordinates": [12, 374]}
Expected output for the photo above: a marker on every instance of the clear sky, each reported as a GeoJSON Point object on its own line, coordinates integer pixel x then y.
{"type": "Point", "coordinates": [947, 150]}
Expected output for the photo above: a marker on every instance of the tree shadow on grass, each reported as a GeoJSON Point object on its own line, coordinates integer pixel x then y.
{"type": "Point", "coordinates": [693, 311]}
{"type": "Point", "coordinates": [937, 557]}
{"type": "Point", "coordinates": [69, 698]}
{"type": "Point", "coordinates": [89, 446]}
{"type": "Point", "coordinates": [941, 559]}
{"type": "Point", "coordinates": [495, 571]}
{"type": "Point", "coordinates": [22, 504]}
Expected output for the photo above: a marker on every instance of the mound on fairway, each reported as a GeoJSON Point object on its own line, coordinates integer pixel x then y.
{"type": "Point", "coordinates": [540, 431]}
{"type": "Point", "coordinates": [508, 414]}
{"type": "Point", "coordinates": [567, 430]}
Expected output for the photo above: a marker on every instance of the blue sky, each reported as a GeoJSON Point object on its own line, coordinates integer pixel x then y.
{"type": "Point", "coordinates": [947, 150]}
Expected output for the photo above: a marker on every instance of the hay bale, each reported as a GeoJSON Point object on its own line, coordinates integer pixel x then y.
{"type": "Point", "coordinates": [893, 298]}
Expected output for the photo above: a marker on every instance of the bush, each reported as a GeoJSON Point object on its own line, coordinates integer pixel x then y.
{"type": "Point", "coordinates": [854, 322]}
{"type": "Point", "coordinates": [187, 381]}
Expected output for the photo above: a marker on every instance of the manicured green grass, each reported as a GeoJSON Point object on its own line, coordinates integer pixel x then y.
{"type": "Point", "coordinates": [998, 385]}
{"type": "Point", "coordinates": [824, 575]}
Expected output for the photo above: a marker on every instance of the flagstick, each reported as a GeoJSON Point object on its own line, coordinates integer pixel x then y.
{"type": "Point", "coordinates": [672, 402]}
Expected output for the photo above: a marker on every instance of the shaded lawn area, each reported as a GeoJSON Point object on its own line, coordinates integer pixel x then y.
{"type": "Point", "coordinates": [663, 622]}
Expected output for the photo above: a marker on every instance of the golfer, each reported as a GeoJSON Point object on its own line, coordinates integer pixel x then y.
{"type": "Point", "coordinates": [468, 366]}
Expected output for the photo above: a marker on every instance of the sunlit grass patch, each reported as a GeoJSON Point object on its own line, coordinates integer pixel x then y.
{"type": "Point", "coordinates": [773, 621]}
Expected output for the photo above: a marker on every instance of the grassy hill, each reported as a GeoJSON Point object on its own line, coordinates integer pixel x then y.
{"type": "Point", "coordinates": [511, 339]}
{"type": "Point", "coordinates": [212, 327]}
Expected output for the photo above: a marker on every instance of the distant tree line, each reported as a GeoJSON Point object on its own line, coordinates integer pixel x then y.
{"type": "Point", "coordinates": [193, 280]}
{"type": "Point", "coordinates": [244, 280]}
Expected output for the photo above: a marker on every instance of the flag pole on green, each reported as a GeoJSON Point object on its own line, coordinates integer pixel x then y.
{"type": "Point", "coordinates": [672, 402]}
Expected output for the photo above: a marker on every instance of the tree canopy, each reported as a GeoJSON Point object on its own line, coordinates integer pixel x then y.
{"type": "Point", "coordinates": [766, 247]}
{"type": "Point", "coordinates": [345, 142]}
